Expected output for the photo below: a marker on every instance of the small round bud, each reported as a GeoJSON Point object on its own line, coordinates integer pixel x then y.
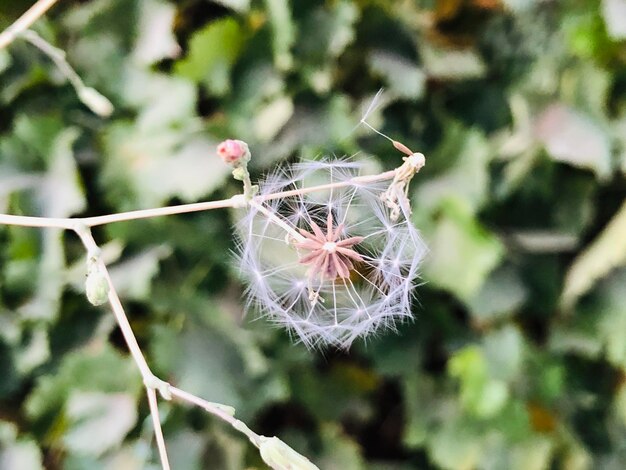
{"type": "Point", "coordinates": [96, 101]}
{"type": "Point", "coordinates": [233, 152]}
{"type": "Point", "coordinates": [97, 288]}
{"type": "Point", "coordinates": [96, 284]}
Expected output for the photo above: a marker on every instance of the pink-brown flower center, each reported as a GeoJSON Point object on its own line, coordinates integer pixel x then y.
{"type": "Point", "coordinates": [328, 256]}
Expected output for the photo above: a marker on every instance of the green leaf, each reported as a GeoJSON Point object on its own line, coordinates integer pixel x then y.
{"type": "Point", "coordinates": [34, 350]}
{"type": "Point", "coordinates": [201, 362]}
{"type": "Point", "coordinates": [451, 64]}
{"type": "Point", "coordinates": [467, 182]}
{"type": "Point", "coordinates": [133, 277]}
{"type": "Point", "coordinates": [284, 32]}
{"type": "Point", "coordinates": [551, 381]}
{"type": "Point", "coordinates": [419, 389]}
{"type": "Point", "coordinates": [520, 5]}
{"type": "Point", "coordinates": [589, 88]}
{"type": "Point", "coordinates": [185, 449]}
{"type": "Point", "coordinates": [482, 395]}
{"type": "Point", "coordinates": [454, 446]}
{"type": "Point", "coordinates": [577, 336]}
{"type": "Point", "coordinates": [221, 320]}
{"type": "Point", "coordinates": [33, 138]}
{"type": "Point", "coordinates": [501, 295]}
{"type": "Point", "coordinates": [404, 78]}
{"type": "Point", "coordinates": [614, 13]}
{"type": "Point", "coordinates": [146, 168]}
{"type": "Point", "coordinates": [5, 60]}
{"type": "Point", "coordinates": [271, 118]}
{"type": "Point", "coordinates": [18, 452]}
{"type": "Point", "coordinates": [240, 6]}
{"type": "Point", "coordinates": [83, 462]}
{"type": "Point", "coordinates": [532, 453]}
{"type": "Point", "coordinates": [619, 403]}
{"type": "Point", "coordinates": [462, 253]}
{"type": "Point", "coordinates": [316, 125]}
{"type": "Point", "coordinates": [95, 369]}
{"type": "Point", "coordinates": [598, 327]}
{"type": "Point", "coordinates": [19, 271]}
{"type": "Point", "coordinates": [155, 38]}
{"type": "Point", "coordinates": [257, 84]}
{"type": "Point", "coordinates": [570, 136]}
{"type": "Point", "coordinates": [606, 252]}
{"type": "Point", "coordinates": [324, 35]}
{"type": "Point", "coordinates": [327, 32]}
{"type": "Point", "coordinates": [161, 101]}
{"type": "Point", "coordinates": [212, 52]}
{"type": "Point", "coordinates": [340, 452]}
{"type": "Point", "coordinates": [612, 321]}
{"type": "Point", "coordinates": [343, 16]}
{"type": "Point", "coordinates": [103, 31]}
{"type": "Point", "coordinates": [98, 421]}
{"type": "Point", "coordinates": [188, 449]}
{"type": "Point", "coordinates": [13, 181]}
{"type": "Point", "coordinates": [62, 193]}
{"type": "Point", "coordinates": [504, 352]}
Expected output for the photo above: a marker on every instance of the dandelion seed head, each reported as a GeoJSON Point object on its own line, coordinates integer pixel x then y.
{"type": "Point", "coordinates": [330, 265]}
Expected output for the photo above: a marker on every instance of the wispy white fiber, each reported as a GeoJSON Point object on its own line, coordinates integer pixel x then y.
{"type": "Point", "coordinates": [317, 309]}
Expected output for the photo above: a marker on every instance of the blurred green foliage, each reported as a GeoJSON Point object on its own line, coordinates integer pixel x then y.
{"type": "Point", "coordinates": [517, 356]}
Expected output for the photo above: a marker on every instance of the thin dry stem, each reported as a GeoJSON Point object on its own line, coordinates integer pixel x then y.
{"type": "Point", "coordinates": [116, 305]}
{"type": "Point", "coordinates": [277, 220]}
{"type": "Point", "coordinates": [236, 201]}
{"type": "Point", "coordinates": [215, 410]}
{"type": "Point", "coordinates": [158, 431]}
{"type": "Point", "coordinates": [56, 55]}
{"type": "Point", "coordinates": [129, 337]}
{"type": "Point", "coordinates": [41, 222]}
{"type": "Point", "coordinates": [25, 21]}
{"type": "Point", "coordinates": [151, 382]}
{"type": "Point", "coordinates": [161, 211]}
{"type": "Point", "coordinates": [81, 226]}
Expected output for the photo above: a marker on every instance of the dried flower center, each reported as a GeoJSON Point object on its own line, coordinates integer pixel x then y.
{"type": "Point", "coordinates": [326, 253]}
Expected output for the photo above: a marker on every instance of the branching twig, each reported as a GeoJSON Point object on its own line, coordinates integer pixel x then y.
{"type": "Point", "coordinates": [56, 55]}
{"type": "Point", "coordinates": [25, 21]}
{"type": "Point", "coordinates": [217, 410]}
{"type": "Point", "coordinates": [90, 97]}
{"type": "Point", "coordinates": [158, 432]}
{"type": "Point", "coordinates": [235, 201]}
{"type": "Point", "coordinates": [149, 379]}
{"type": "Point", "coordinates": [94, 252]}
{"type": "Point", "coordinates": [272, 449]}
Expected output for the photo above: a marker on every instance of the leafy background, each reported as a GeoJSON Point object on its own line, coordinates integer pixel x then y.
{"type": "Point", "coordinates": [517, 355]}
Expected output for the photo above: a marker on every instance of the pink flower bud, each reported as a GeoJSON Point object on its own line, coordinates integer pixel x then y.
{"type": "Point", "coordinates": [233, 152]}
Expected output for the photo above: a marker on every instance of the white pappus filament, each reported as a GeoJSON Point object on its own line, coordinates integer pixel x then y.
{"type": "Point", "coordinates": [348, 269]}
